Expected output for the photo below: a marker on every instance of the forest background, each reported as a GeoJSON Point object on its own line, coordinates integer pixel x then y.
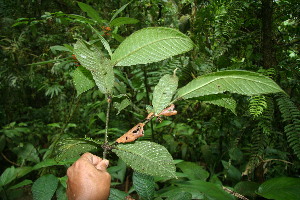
{"type": "Point", "coordinates": [253, 149]}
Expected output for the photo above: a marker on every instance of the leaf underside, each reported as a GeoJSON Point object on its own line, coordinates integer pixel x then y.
{"type": "Point", "coordinates": [82, 81]}
{"type": "Point", "coordinates": [148, 158]}
{"type": "Point", "coordinates": [100, 67]}
{"type": "Point", "coordinates": [71, 148]}
{"type": "Point", "coordinates": [151, 45]}
{"type": "Point", "coordinates": [222, 100]}
{"type": "Point", "coordinates": [144, 185]}
{"type": "Point", "coordinates": [240, 82]}
{"type": "Point", "coordinates": [163, 92]}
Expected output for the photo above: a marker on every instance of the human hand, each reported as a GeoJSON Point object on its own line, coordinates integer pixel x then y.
{"type": "Point", "coordinates": [88, 179]}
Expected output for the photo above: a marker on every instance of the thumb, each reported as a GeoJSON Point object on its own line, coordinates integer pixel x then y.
{"type": "Point", "coordinates": [102, 165]}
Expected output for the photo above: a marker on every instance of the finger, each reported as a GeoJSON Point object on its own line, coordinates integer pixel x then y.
{"type": "Point", "coordinates": [87, 156]}
{"type": "Point", "coordinates": [102, 165]}
{"type": "Point", "coordinates": [96, 160]}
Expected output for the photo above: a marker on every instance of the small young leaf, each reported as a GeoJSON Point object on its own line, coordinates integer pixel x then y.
{"type": "Point", "coordinates": [104, 42]}
{"type": "Point", "coordinates": [118, 11]}
{"type": "Point", "coordinates": [82, 80]}
{"type": "Point", "coordinates": [121, 106]}
{"type": "Point", "coordinates": [163, 92]}
{"type": "Point", "coordinates": [148, 158]}
{"type": "Point", "coordinates": [144, 185]}
{"type": "Point", "coordinates": [240, 82]}
{"type": "Point", "coordinates": [151, 45]}
{"type": "Point", "coordinates": [91, 12]}
{"type": "Point", "coordinates": [44, 187]}
{"type": "Point", "coordinates": [123, 20]}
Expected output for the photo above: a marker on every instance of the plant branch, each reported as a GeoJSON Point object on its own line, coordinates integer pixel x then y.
{"type": "Point", "coordinates": [109, 99]}
{"type": "Point", "coordinates": [11, 162]}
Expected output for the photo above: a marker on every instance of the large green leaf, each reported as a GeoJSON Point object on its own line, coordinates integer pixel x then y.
{"type": "Point", "coordinates": [71, 148]}
{"type": "Point", "coordinates": [163, 92]}
{"type": "Point", "coordinates": [148, 158]}
{"type": "Point", "coordinates": [240, 82]}
{"type": "Point", "coordinates": [151, 45]}
{"type": "Point", "coordinates": [144, 185]}
{"type": "Point", "coordinates": [44, 187]}
{"type": "Point", "coordinates": [281, 188]}
{"type": "Point", "coordinates": [83, 80]}
{"type": "Point", "coordinates": [210, 190]}
{"type": "Point", "coordinates": [193, 171]}
{"type": "Point", "coordinates": [100, 67]}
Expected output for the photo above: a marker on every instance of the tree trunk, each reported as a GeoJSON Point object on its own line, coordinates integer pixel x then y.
{"type": "Point", "coordinates": [269, 59]}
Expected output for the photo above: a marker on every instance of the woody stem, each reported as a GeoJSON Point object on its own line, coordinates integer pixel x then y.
{"type": "Point", "coordinates": [106, 125]}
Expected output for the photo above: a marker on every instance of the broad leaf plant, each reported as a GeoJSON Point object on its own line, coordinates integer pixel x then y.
{"type": "Point", "coordinates": [145, 46]}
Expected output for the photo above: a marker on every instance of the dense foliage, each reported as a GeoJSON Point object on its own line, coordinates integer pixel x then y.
{"type": "Point", "coordinates": [235, 133]}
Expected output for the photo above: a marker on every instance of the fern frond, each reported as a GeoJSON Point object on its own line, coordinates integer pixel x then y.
{"type": "Point", "coordinates": [260, 135]}
{"type": "Point", "coordinates": [257, 104]}
{"type": "Point", "coordinates": [291, 117]}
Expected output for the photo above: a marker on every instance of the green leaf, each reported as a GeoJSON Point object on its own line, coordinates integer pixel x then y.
{"type": "Point", "coordinates": [91, 12]}
{"type": "Point", "coordinates": [222, 100]}
{"type": "Point", "coordinates": [144, 185]}
{"type": "Point", "coordinates": [163, 92]}
{"type": "Point", "coordinates": [193, 171]}
{"type": "Point", "coordinates": [281, 188]}
{"type": "Point", "coordinates": [121, 106]}
{"type": "Point", "coordinates": [7, 176]}
{"type": "Point", "coordinates": [240, 82]}
{"type": "Point", "coordinates": [59, 48]}
{"type": "Point", "coordinates": [51, 162]}
{"type": "Point", "coordinates": [100, 67]}
{"type": "Point", "coordinates": [232, 172]}
{"type": "Point", "coordinates": [70, 148]}
{"type": "Point", "coordinates": [104, 42]}
{"type": "Point", "coordinates": [116, 194]}
{"type": "Point", "coordinates": [44, 187]}
{"type": "Point", "coordinates": [118, 11]}
{"type": "Point", "coordinates": [210, 190]}
{"type": "Point", "coordinates": [246, 188]}
{"type": "Point", "coordinates": [82, 80]}
{"type": "Point", "coordinates": [21, 184]}
{"type": "Point", "coordinates": [13, 173]}
{"type": "Point", "coordinates": [151, 45]}
{"type": "Point", "coordinates": [179, 195]}
{"type": "Point", "coordinates": [81, 19]}
{"type": "Point", "coordinates": [123, 20]}
{"type": "Point", "coordinates": [148, 158]}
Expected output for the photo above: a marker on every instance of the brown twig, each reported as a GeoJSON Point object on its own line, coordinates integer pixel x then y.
{"type": "Point", "coordinates": [11, 162]}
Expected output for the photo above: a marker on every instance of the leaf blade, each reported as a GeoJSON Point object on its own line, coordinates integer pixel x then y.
{"type": "Point", "coordinates": [151, 45]}
{"type": "Point", "coordinates": [148, 158]}
{"type": "Point", "coordinates": [163, 92]}
{"type": "Point", "coordinates": [240, 82]}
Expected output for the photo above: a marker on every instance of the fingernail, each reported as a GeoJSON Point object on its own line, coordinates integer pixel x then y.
{"type": "Point", "coordinates": [106, 162]}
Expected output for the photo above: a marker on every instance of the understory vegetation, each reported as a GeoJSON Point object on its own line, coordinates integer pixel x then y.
{"type": "Point", "coordinates": [207, 94]}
